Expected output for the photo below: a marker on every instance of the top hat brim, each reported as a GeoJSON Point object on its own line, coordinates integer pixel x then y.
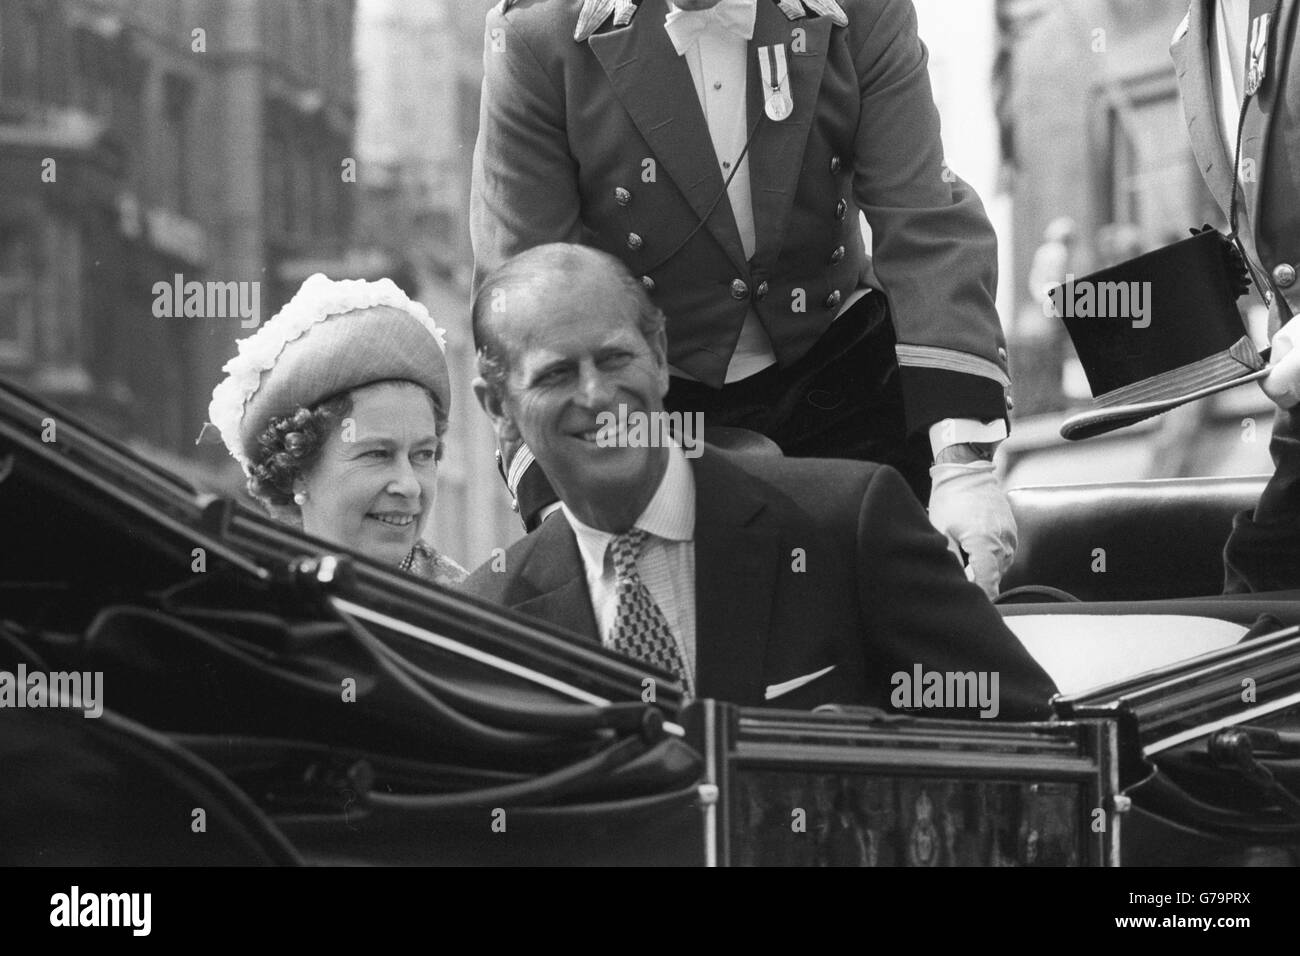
{"type": "Point", "coordinates": [1098, 421]}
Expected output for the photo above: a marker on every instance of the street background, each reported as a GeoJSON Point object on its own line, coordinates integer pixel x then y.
{"type": "Point", "coordinates": [265, 140]}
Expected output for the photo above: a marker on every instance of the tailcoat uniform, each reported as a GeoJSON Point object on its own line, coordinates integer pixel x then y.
{"type": "Point", "coordinates": [604, 142]}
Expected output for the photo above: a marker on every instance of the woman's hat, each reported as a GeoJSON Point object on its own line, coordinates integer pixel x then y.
{"type": "Point", "coordinates": [331, 337]}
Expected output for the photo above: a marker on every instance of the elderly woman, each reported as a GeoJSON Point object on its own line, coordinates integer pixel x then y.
{"type": "Point", "coordinates": [336, 409]}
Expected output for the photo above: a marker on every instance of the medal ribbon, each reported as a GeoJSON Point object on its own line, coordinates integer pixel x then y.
{"type": "Point", "coordinates": [1257, 53]}
{"type": "Point", "coordinates": [766, 63]}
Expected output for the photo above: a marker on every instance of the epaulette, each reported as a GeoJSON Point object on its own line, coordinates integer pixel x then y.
{"type": "Point", "coordinates": [829, 9]}
{"type": "Point", "coordinates": [1180, 31]}
{"type": "Point", "coordinates": [596, 12]}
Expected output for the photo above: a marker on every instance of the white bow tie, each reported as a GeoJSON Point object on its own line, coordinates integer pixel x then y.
{"type": "Point", "coordinates": [685, 27]}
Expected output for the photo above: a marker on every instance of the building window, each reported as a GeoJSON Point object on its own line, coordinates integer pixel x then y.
{"type": "Point", "coordinates": [312, 29]}
{"type": "Point", "coordinates": [279, 196]}
{"type": "Point", "coordinates": [299, 32]}
{"type": "Point", "coordinates": [303, 187]}
{"type": "Point", "coordinates": [326, 198]}
{"type": "Point", "coordinates": [94, 78]}
{"type": "Point", "coordinates": [1150, 184]}
{"type": "Point", "coordinates": [333, 51]}
{"type": "Point", "coordinates": [177, 20]}
{"type": "Point", "coordinates": [8, 59]}
{"type": "Point", "coordinates": [278, 27]}
{"type": "Point", "coordinates": [175, 161]}
{"type": "Point", "coordinates": [24, 52]}
{"type": "Point", "coordinates": [17, 296]}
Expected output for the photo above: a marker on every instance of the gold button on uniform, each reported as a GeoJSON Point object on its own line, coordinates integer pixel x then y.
{"type": "Point", "coordinates": [622, 196]}
{"type": "Point", "coordinates": [1284, 276]}
{"type": "Point", "coordinates": [833, 299]}
{"type": "Point", "coordinates": [649, 283]}
{"type": "Point", "coordinates": [837, 255]}
{"type": "Point", "coordinates": [841, 208]}
{"type": "Point", "coordinates": [738, 289]}
{"type": "Point", "coordinates": [761, 291]}
{"type": "Point", "coordinates": [835, 164]}
{"type": "Point", "coordinates": [634, 242]}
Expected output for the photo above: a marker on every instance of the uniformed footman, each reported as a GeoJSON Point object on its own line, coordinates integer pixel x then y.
{"type": "Point", "coordinates": [723, 150]}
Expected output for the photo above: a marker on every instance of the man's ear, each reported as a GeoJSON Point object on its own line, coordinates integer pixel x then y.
{"type": "Point", "coordinates": [659, 346]}
{"type": "Point", "coordinates": [490, 401]}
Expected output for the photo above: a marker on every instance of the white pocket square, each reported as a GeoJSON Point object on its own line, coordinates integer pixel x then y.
{"type": "Point", "coordinates": [780, 690]}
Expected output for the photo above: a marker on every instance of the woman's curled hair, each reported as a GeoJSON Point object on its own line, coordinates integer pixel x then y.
{"type": "Point", "coordinates": [288, 448]}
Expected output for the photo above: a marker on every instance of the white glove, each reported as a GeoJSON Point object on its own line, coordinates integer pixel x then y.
{"type": "Point", "coordinates": [968, 505]}
{"type": "Point", "coordinates": [1282, 384]}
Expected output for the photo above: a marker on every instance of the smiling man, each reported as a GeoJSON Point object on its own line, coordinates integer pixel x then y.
{"type": "Point", "coordinates": [752, 579]}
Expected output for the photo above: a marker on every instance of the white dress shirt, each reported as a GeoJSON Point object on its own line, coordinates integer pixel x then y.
{"type": "Point", "coordinates": [719, 68]}
{"type": "Point", "coordinates": [718, 61]}
{"type": "Point", "coordinates": [666, 564]}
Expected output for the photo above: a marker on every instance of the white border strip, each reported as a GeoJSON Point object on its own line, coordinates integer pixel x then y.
{"type": "Point", "coordinates": [500, 663]}
{"type": "Point", "coordinates": [1205, 729]}
{"type": "Point", "coordinates": [710, 775]}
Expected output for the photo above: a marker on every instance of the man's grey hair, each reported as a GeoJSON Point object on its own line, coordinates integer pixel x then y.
{"type": "Point", "coordinates": [556, 259]}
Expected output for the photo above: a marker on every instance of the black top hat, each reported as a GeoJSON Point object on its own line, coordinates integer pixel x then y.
{"type": "Point", "coordinates": [1158, 331]}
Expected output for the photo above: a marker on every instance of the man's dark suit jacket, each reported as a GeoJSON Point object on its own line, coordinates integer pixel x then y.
{"type": "Point", "coordinates": [801, 564]}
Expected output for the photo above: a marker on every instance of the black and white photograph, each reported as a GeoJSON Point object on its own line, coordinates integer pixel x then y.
{"type": "Point", "coordinates": [650, 433]}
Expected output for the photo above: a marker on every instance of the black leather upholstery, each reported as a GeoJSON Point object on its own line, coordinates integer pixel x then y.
{"type": "Point", "coordinates": [1154, 539]}
{"type": "Point", "coordinates": [741, 440]}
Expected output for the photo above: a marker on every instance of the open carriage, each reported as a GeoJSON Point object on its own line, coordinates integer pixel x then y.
{"type": "Point", "coordinates": [264, 699]}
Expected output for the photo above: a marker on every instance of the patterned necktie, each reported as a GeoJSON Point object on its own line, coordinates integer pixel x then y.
{"type": "Point", "coordinates": [640, 629]}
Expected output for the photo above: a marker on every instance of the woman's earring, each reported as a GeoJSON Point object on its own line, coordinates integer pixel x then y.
{"type": "Point", "coordinates": [300, 498]}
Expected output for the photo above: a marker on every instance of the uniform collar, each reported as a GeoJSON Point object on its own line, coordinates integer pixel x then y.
{"type": "Point", "coordinates": [734, 17]}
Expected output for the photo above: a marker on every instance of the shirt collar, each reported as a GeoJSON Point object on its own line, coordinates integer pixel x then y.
{"type": "Point", "coordinates": [670, 513]}
{"type": "Point", "coordinates": [729, 17]}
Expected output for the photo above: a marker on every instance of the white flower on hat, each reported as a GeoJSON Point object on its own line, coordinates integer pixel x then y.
{"type": "Point", "coordinates": [319, 298]}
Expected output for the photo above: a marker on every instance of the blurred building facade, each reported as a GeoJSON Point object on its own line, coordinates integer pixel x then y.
{"type": "Point", "coordinates": [420, 70]}
{"type": "Point", "coordinates": [1099, 168]}
{"type": "Point", "coordinates": [962, 42]}
{"type": "Point", "coordinates": [145, 139]}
